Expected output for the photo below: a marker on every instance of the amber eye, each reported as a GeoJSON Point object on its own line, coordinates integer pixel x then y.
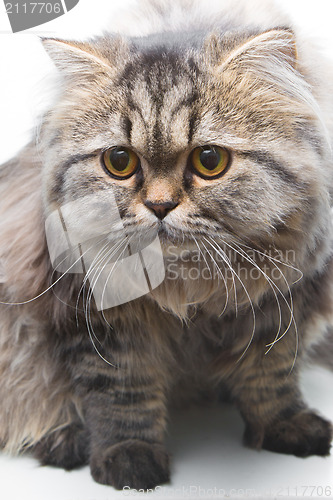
{"type": "Point", "coordinates": [121, 162]}
{"type": "Point", "coordinates": [209, 161]}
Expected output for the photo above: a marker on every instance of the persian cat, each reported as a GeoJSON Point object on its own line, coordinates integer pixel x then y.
{"type": "Point", "coordinates": [168, 235]}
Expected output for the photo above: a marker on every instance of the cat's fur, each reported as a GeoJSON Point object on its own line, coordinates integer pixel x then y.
{"type": "Point", "coordinates": [176, 79]}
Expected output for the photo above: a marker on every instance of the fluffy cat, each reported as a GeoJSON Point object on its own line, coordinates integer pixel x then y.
{"type": "Point", "coordinates": [214, 130]}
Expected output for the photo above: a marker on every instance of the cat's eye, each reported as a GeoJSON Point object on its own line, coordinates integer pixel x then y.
{"type": "Point", "coordinates": [209, 161]}
{"type": "Point", "coordinates": [121, 162]}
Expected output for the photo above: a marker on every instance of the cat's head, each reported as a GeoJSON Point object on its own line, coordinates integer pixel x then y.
{"type": "Point", "coordinates": [204, 140]}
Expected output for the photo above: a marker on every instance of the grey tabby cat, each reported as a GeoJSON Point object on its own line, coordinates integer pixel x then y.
{"type": "Point", "coordinates": [214, 129]}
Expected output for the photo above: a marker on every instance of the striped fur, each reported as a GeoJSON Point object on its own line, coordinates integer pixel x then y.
{"type": "Point", "coordinates": [163, 87]}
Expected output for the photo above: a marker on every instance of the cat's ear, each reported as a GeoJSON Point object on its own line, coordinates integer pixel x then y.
{"type": "Point", "coordinates": [277, 46]}
{"type": "Point", "coordinates": [79, 60]}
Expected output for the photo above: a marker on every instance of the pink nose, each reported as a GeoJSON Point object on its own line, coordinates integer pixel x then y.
{"type": "Point", "coordinates": [161, 209]}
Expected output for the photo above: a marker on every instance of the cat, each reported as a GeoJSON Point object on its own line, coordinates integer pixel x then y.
{"type": "Point", "coordinates": [205, 136]}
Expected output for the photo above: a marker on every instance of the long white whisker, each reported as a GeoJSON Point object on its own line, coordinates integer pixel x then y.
{"type": "Point", "coordinates": [220, 252]}
{"type": "Point", "coordinates": [45, 291]}
{"type": "Point", "coordinates": [252, 262]}
{"type": "Point", "coordinates": [203, 255]}
{"type": "Point", "coordinates": [289, 306]}
{"type": "Point", "coordinates": [227, 261]}
{"type": "Point", "coordinates": [93, 282]}
{"type": "Point", "coordinates": [284, 263]}
{"type": "Point", "coordinates": [66, 272]}
{"type": "Point", "coordinates": [292, 318]}
{"type": "Point", "coordinates": [272, 284]}
{"type": "Point", "coordinates": [114, 265]}
{"type": "Point", "coordinates": [219, 273]}
{"type": "Point", "coordinates": [97, 257]}
{"type": "Point", "coordinates": [103, 255]}
{"type": "Point", "coordinates": [48, 288]}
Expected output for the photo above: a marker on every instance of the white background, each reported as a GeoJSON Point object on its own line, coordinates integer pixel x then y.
{"type": "Point", "coordinates": [208, 458]}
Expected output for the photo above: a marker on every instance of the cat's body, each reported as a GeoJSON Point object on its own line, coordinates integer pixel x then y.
{"type": "Point", "coordinates": [234, 81]}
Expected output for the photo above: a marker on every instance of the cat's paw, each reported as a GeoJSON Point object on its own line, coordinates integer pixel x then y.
{"type": "Point", "coordinates": [303, 434]}
{"type": "Point", "coordinates": [133, 463]}
{"type": "Point", "coordinates": [67, 448]}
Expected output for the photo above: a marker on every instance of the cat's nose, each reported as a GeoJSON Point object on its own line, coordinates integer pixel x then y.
{"type": "Point", "coordinates": [161, 209]}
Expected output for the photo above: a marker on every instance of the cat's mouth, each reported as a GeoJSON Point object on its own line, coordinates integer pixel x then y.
{"type": "Point", "coordinates": [172, 236]}
{"type": "Point", "coordinates": [167, 233]}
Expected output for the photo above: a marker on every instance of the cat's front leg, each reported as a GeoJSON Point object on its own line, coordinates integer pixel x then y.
{"type": "Point", "coordinates": [125, 412]}
{"type": "Point", "coordinates": [266, 390]}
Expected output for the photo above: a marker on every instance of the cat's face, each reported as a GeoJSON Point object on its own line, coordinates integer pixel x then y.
{"type": "Point", "coordinates": [198, 146]}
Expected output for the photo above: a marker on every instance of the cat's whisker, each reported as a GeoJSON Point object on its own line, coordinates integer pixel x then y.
{"type": "Point", "coordinates": [127, 241]}
{"type": "Point", "coordinates": [226, 260]}
{"type": "Point", "coordinates": [252, 262]}
{"type": "Point", "coordinates": [87, 274]}
{"type": "Point", "coordinates": [106, 258]}
{"type": "Point", "coordinates": [44, 291]}
{"type": "Point", "coordinates": [278, 261]}
{"type": "Point", "coordinates": [103, 255]}
{"type": "Point", "coordinates": [289, 306]}
{"type": "Point", "coordinates": [93, 281]}
{"type": "Point", "coordinates": [222, 254]}
{"type": "Point", "coordinates": [291, 301]}
{"type": "Point", "coordinates": [84, 284]}
{"type": "Point", "coordinates": [52, 284]}
{"type": "Point", "coordinates": [219, 274]}
{"type": "Point", "coordinates": [89, 297]}
{"type": "Point", "coordinates": [292, 320]}
{"type": "Point", "coordinates": [228, 263]}
{"type": "Point", "coordinates": [203, 255]}
{"type": "Point", "coordinates": [273, 285]}
{"type": "Point", "coordinates": [96, 257]}
{"type": "Point", "coordinates": [82, 289]}
{"type": "Point", "coordinates": [67, 271]}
